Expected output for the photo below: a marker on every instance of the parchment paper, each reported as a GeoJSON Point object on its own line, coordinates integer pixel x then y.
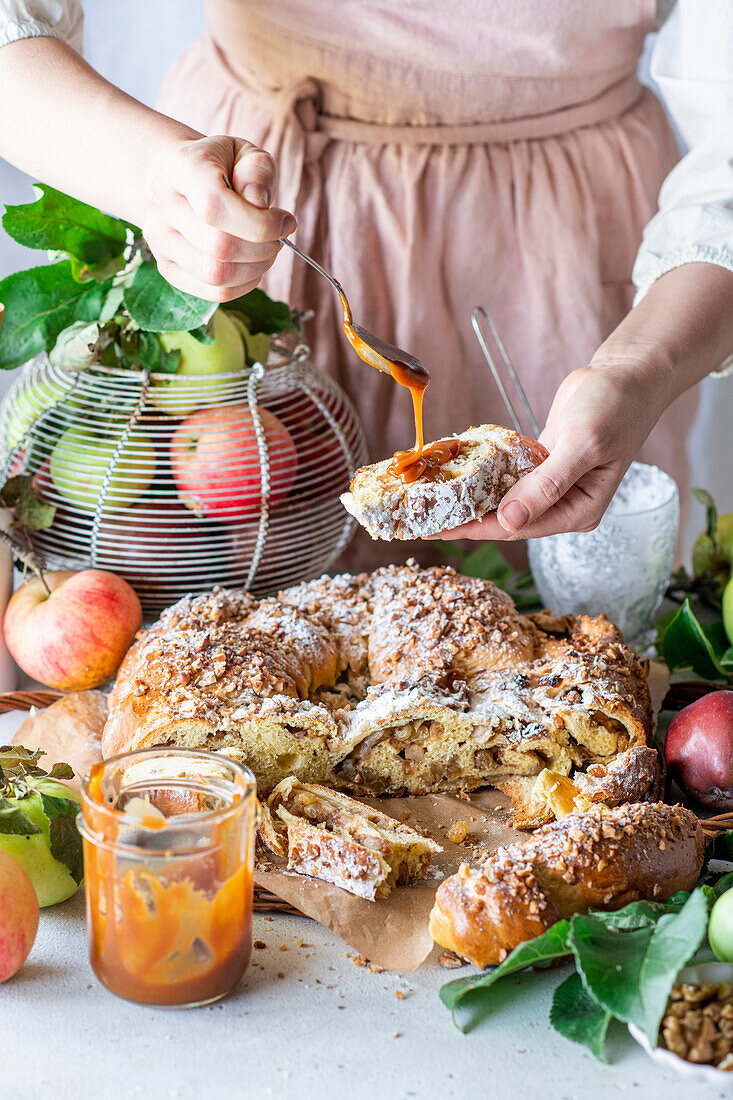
{"type": "Point", "coordinates": [391, 932]}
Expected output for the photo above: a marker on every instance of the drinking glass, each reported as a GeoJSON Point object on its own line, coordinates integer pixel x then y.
{"type": "Point", "coordinates": [168, 861]}
{"type": "Point", "coordinates": [621, 568]}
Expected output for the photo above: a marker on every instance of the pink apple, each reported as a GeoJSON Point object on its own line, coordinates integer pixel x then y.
{"type": "Point", "coordinates": [216, 462]}
{"type": "Point", "coordinates": [18, 916]}
{"type": "Point", "coordinates": [74, 638]}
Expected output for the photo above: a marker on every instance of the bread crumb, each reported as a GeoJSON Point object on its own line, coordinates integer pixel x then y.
{"type": "Point", "coordinates": [399, 995]}
{"type": "Point", "coordinates": [260, 945]}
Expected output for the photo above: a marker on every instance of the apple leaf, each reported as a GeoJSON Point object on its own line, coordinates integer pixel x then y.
{"type": "Point", "coordinates": [66, 845]}
{"type": "Point", "coordinates": [156, 306]}
{"type": "Point", "coordinates": [544, 949]}
{"type": "Point", "coordinates": [576, 1014]}
{"type": "Point", "coordinates": [58, 222]}
{"type": "Point", "coordinates": [143, 350]}
{"type": "Point", "coordinates": [631, 972]}
{"type": "Point", "coordinates": [29, 510]}
{"type": "Point", "coordinates": [39, 304]}
{"type": "Point", "coordinates": [263, 314]}
{"type": "Point", "coordinates": [686, 643]}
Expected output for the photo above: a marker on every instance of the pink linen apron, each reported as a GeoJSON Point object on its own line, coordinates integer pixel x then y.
{"type": "Point", "coordinates": [439, 156]}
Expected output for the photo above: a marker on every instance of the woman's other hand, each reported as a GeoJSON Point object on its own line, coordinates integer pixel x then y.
{"type": "Point", "coordinates": [600, 417]}
{"type": "Point", "coordinates": [602, 414]}
{"type": "Point", "coordinates": [208, 219]}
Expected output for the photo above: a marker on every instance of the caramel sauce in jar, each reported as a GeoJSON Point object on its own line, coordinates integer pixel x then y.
{"type": "Point", "coordinates": [409, 372]}
{"type": "Point", "coordinates": [169, 891]}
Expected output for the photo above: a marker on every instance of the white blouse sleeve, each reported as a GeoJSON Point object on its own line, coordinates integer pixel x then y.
{"type": "Point", "coordinates": [692, 63]}
{"type": "Point", "coordinates": [42, 18]}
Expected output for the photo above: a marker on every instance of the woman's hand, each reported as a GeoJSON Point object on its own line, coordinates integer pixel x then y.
{"type": "Point", "coordinates": [208, 219]}
{"type": "Point", "coordinates": [600, 417]}
{"type": "Point", "coordinates": [602, 414]}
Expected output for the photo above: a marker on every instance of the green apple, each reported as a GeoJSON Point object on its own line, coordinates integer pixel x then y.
{"type": "Point", "coordinates": [51, 878]}
{"type": "Point", "coordinates": [728, 610]}
{"type": "Point", "coordinates": [37, 395]}
{"type": "Point", "coordinates": [720, 929]}
{"type": "Point", "coordinates": [180, 396]}
{"type": "Point", "coordinates": [257, 346]}
{"type": "Point", "coordinates": [715, 557]}
{"type": "Point", "coordinates": [80, 460]}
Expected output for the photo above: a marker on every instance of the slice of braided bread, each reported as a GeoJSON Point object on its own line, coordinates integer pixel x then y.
{"type": "Point", "coordinates": [603, 859]}
{"type": "Point", "coordinates": [490, 461]}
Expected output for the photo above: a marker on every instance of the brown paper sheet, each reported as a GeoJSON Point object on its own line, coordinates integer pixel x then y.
{"type": "Point", "coordinates": [391, 932]}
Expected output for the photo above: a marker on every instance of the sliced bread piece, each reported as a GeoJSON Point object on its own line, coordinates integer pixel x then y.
{"type": "Point", "coordinates": [490, 461]}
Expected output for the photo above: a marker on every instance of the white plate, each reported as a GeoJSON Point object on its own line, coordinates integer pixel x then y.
{"type": "Point", "coordinates": [695, 975]}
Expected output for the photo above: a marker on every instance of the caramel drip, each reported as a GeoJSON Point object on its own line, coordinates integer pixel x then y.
{"type": "Point", "coordinates": [410, 373]}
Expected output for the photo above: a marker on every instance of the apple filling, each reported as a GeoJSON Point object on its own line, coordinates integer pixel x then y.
{"type": "Point", "coordinates": [423, 755]}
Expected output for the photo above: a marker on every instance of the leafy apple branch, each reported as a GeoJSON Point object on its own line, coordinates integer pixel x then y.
{"type": "Point", "coordinates": [25, 512]}
{"type": "Point", "coordinates": [102, 299]}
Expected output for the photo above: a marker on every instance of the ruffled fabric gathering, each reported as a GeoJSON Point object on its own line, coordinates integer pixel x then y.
{"type": "Point", "coordinates": [62, 19]}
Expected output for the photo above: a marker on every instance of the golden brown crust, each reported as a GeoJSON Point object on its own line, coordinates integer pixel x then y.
{"type": "Point", "coordinates": [603, 858]}
{"type": "Point", "coordinates": [405, 680]}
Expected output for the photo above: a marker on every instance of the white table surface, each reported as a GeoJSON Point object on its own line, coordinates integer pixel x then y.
{"type": "Point", "coordinates": [305, 1023]}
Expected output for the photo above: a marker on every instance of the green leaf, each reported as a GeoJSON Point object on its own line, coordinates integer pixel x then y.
{"type": "Point", "coordinates": [576, 1014]}
{"type": "Point", "coordinates": [56, 221]}
{"type": "Point", "coordinates": [156, 306]}
{"type": "Point", "coordinates": [687, 644]}
{"type": "Point", "coordinates": [488, 563]}
{"type": "Point", "coordinates": [18, 757]}
{"type": "Point", "coordinates": [39, 303]}
{"type": "Point", "coordinates": [30, 511]}
{"type": "Point", "coordinates": [630, 973]}
{"type": "Point", "coordinates": [262, 314]}
{"type": "Point", "coordinates": [66, 845]}
{"type": "Point", "coordinates": [61, 771]}
{"type": "Point", "coordinates": [641, 914]}
{"type": "Point", "coordinates": [540, 951]}
{"type": "Point", "coordinates": [14, 821]}
{"type": "Point", "coordinates": [720, 847]}
{"type": "Point", "coordinates": [144, 351]}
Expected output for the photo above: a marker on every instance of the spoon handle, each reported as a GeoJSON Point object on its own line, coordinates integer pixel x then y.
{"type": "Point", "coordinates": [309, 260]}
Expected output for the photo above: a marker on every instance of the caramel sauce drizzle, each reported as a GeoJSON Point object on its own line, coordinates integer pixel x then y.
{"type": "Point", "coordinates": [409, 372]}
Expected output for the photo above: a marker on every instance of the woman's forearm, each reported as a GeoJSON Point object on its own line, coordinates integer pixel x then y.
{"type": "Point", "coordinates": [203, 203]}
{"type": "Point", "coordinates": [680, 331]}
{"type": "Point", "coordinates": [65, 124]}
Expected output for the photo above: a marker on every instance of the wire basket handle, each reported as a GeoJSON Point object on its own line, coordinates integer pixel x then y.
{"type": "Point", "coordinates": [530, 426]}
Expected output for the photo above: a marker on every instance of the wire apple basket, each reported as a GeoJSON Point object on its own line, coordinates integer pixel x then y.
{"type": "Point", "coordinates": [179, 482]}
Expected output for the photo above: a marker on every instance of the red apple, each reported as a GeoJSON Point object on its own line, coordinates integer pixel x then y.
{"type": "Point", "coordinates": [75, 637]}
{"type": "Point", "coordinates": [699, 750]}
{"type": "Point", "coordinates": [323, 467]}
{"type": "Point", "coordinates": [216, 462]}
{"type": "Point", "coordinates": [18, 916]}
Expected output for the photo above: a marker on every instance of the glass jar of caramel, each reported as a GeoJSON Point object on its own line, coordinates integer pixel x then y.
{"type": "Point", "coordinates": [169, 839]}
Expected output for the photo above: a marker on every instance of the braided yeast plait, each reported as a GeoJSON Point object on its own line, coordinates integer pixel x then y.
{"type": "Point", "coordinates": [602, 859]}
{"type": "Point", "coordinates": [404, 680]}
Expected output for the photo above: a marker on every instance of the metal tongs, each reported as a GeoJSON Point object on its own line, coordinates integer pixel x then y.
{"type": "Point", "coordinates": [522, 421]}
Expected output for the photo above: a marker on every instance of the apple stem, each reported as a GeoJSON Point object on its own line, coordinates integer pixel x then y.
{"type": "Point", "coordinates": [28, 557]}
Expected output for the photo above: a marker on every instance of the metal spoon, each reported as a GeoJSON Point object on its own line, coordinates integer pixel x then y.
{"type": "Point", "coordinates": [404, 368]}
